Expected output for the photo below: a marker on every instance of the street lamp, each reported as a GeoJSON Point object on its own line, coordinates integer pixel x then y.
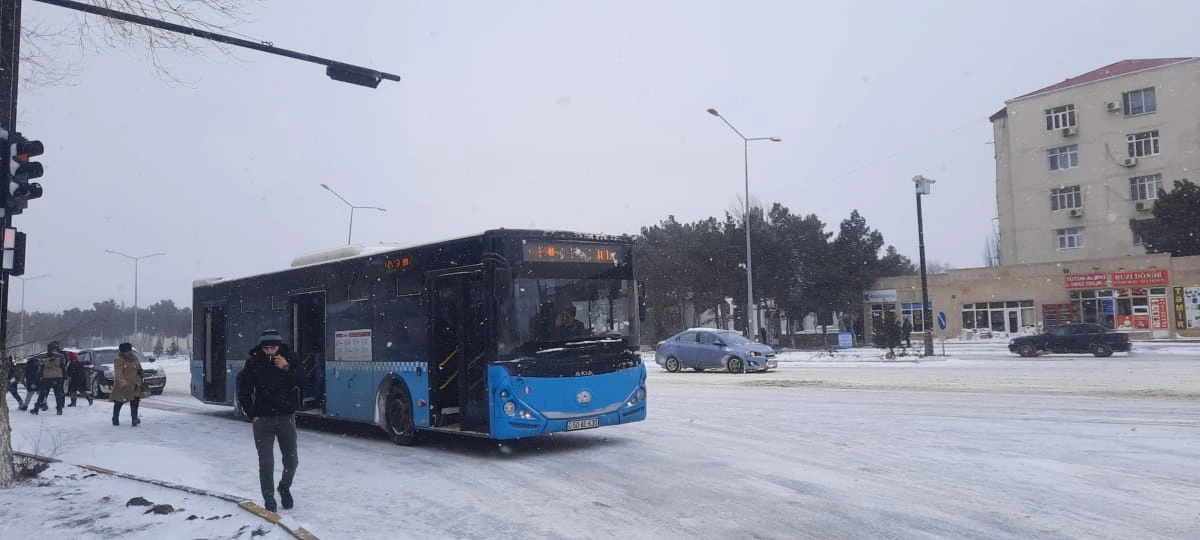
{"type": "Point", "coordinates": [922, 185]}
{"type": "Point", "coordinates": [135, 282]}
{"type": "Point", "coordinates": [751, 312]}
{"type": "Point", "coordinates": [352, 209]}
{"type": "Point", "coordinates": [21, 339]}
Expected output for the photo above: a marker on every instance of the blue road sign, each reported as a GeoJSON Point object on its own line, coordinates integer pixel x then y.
{"type": "Point", "coordinates": [942, 320]}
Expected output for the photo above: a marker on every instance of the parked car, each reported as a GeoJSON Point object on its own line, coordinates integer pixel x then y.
{"type": "Point", "coordinates": [99, 362]}
{"type": "Point", "coordinates": [1072, 338]}
{"type": "Point", "coordinates": [712, 348]}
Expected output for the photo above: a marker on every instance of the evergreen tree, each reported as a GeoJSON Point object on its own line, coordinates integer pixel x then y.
{"type": "Point", "coordinates": [1175, 227]}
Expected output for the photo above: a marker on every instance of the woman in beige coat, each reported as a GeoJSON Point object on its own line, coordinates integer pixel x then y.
{"type": "Point", "coordinates": [127, 383]}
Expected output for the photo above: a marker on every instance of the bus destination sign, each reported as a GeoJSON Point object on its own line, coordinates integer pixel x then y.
{"type": "Point", "coordinates": [569, 252]}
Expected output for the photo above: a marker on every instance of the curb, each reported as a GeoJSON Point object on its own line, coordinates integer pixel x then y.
{"type": "Point", "coordinates": [245, 504]}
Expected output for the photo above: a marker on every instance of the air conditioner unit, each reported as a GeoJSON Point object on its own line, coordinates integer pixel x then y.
{"type": "Point", "coordinates": [1076, 212]}
{"type": "Point", "coordinates": [1112, 106]}
{"type": "Point", "coordinates": [1129, 162]}
{"type": "Point", "coordinates": [1142, 206]}
{"type": "Point", "coordinates": [1070, 131]}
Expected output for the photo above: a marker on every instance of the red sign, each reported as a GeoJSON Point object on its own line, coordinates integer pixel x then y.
{"type": "Point", "coordinates": [1087, 281]}
{"type": "Point", "coordinates": [1159, 313]}
{"type": "Point", "coordinates": [1139, 278]}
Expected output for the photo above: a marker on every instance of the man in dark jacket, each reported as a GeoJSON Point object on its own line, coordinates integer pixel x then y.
{"type": "Point", "coordinates": [52, 367]}
{"type": "Point", "coordinates": [31, 382]}
{"type": "Point", "coordinates": [269, 393]}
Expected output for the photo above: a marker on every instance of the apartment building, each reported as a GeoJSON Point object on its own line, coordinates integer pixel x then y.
{"type": "Point", "coordinates": [1075, 161]}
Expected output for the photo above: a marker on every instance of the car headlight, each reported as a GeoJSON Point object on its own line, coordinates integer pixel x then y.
{"type": "Point", "coordinates": [1011, 341]}
{"type": "Point", "coordinates": [754, 353]}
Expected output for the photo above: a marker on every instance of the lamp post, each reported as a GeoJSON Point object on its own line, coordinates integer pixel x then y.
{"type": "Point", "coordinates": [21, 329]}
{"type": "Point", "coordinates": [922, 185]}
{"type": "Point", "coordinates": [135, 283]}
{"type": "Point", "coordinates": [352, 209]}
{"type": "Point", "coordinates": [751, 312]}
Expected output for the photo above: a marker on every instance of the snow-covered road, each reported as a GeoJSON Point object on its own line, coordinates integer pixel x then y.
{"type": "Point", "coordinates": [959, 448]}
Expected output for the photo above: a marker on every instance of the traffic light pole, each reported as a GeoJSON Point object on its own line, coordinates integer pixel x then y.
{"type": "Point", "coordinates": [10, 62]}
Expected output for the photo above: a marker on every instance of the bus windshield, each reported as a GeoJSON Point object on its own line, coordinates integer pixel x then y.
{"type": "Point", "coordinates": [556, 310]}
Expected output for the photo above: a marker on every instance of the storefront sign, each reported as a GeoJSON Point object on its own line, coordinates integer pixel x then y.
{"type": "Point", "coordinates": [1180, 317]}
{"type": "Point", "coordinates": [1087, 281]}
{"type": "Point", "coordinates": [1138, 278]}
{"type": "Point", "coordinates": [881, 296]}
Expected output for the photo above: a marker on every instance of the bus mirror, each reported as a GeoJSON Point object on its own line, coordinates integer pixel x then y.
{"type": "Point", "coordinates": [641, 286]}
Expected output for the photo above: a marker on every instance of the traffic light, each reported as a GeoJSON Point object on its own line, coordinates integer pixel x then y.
{"type": "Point", "coordinates": [19, 189]}
{"type": "Point", "coordinates": [13, 259]}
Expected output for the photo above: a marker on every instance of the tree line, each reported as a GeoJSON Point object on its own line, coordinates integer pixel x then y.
{"type": "Point", "coordinates": [106, 323]}
{"type": "Point", "coordinates": [798, 264]}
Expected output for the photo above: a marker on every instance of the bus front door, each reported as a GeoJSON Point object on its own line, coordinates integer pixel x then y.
{"type": "Point", "coordinates": [458, 370]}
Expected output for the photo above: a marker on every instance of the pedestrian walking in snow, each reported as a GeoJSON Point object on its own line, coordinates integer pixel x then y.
{"type": "Point", "coordinates": [76, 380]}
{"type": "Point", "coordinates": [907, 331]}
{"type": "Point", "coordinates": [31, 382]}
{"type": "Point", "coordinates": [127, 384]}
{"type": "Point", "coordinates": [51, 368]}
{"type": "Point", "coordinates": [269, 392]}
{"type": "Point", "coordinates": [14, 379]}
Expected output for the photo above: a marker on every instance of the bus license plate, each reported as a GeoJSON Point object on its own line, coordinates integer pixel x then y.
{"type": "Point", "coordinates": [586, 423]}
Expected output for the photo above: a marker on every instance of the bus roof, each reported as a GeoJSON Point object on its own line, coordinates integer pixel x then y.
{"type": "Point", "coordinates": [358, 250]}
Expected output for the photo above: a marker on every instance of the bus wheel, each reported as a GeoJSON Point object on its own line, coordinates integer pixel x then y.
{"type": "Point", "coordinates": [734, 365]}
{"type": "Point", "coordinates": [398, 416]}
{"type": "Point", "coordinates": [673, 365]}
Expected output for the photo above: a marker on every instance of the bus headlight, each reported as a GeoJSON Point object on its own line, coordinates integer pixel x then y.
{"type": "Point", "coordinates": [641, 394]}
{"type": "Point", "coordinates": [510, 408]}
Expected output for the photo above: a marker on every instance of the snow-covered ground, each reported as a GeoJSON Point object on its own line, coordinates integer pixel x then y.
{"type": "Point", "coordinates": [977, 444]}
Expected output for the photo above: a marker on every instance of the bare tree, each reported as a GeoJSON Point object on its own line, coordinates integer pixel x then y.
{"type": "Point", "coordinates": [43, 44]}
{"type": "Point", "coordinates": [938, 267]}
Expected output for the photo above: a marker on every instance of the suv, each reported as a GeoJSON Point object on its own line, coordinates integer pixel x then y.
{"type": "Point", "coordinates": [1072, 338]}
{"type": "Point", "coordinates": [99, 363]}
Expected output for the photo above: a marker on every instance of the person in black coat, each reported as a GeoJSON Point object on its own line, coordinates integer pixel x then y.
{"type": "Point", "coordinates": [33, 380]}
{"type": "Point", "coordinates": [76, 380]}
{"type": "Point", "coordinates": [14, 379]}
{"type": "Point", "coordinates": [269, 393]}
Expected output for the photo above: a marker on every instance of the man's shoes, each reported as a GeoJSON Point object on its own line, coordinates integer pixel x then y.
{"type": "Point", "coordinates": [34, 410]}
{"type": "Point", "coordinates": [45, 407]}
{"type": "Point", "coordinates": [89, 398]}
{"type": "Point", "coordinates": [285, 497]}
{"type": "Point", "coordinates": [116, 421]}
{"type": "Point", "coordinates": [71, 404]}
{"type": "Point", "coordinates": [270, 506]}
{"type": "Point", "coordinates": [59, 411]}
{"type": "Point", "coordinates": [136, 421]}
{"type": "Point", "coordinates": [22, 407]}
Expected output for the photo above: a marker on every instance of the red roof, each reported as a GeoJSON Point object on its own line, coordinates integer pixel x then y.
{"type": "Point", "coordinates": [1117, 69]}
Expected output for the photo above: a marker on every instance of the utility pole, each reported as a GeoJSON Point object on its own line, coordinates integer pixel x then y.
{"type": "Point", "coordinates": [922, 185]}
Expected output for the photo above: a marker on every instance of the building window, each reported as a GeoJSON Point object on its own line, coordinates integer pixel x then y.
{"type": "Point", "coordinates": [913, 314]}
{"type": "Point", "coordinates": [1065, 198]}
{"type": "Point", "coordinates": [1064, 157]}
{"type": "Point", "coordinates": [1142, 188]}
{"type": "Point", "coordinates": [1008, 316]}
{"type": "Point", "coordinates": [1060, 117]}
{"type": "Point", "coordinates": [1137, 239]}
{"type": "Point", "coordinates": [1143, 144]}
{"type": "Point", "coordinates": [1070, 238]}
{"type": "Point", "coordinates": [1139, 102]}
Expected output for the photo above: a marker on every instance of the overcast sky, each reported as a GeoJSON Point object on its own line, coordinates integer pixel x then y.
{"type": "Point", "coordinates": [586, 116]}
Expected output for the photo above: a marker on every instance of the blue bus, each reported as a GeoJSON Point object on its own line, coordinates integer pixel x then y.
{"type": "Point", "coordinates": [503, 335]}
